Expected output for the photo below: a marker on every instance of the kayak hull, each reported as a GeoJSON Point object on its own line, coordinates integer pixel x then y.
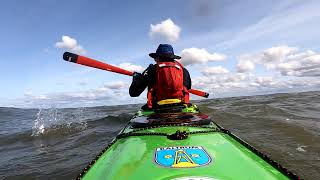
{"type": "Point", "coordinates": [161, 152]}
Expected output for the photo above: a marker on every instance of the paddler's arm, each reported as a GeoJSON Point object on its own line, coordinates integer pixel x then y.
{"type": "Point", "coordinates": [186, 79]}
{"type": "Point", "coordinates": [141, 81]}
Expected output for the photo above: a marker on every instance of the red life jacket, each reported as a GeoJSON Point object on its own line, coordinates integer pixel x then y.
{"type": "Point", "coordinates": [169, 83]}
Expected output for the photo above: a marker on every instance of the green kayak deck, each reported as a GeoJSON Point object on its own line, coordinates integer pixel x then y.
{"type": "Point", "coordinates": [193, 148]}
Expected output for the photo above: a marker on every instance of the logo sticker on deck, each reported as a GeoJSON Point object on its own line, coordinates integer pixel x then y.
{"type": "Point", "coordinates": [182, 156]}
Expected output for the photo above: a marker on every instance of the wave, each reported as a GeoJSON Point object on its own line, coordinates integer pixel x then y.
{"type": "Point", "coordinates": [66, 129]}
{"type": "Point", "coordinates": [285, 126]}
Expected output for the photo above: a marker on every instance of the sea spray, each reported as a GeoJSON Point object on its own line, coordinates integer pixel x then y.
{"type": "Point", "coordinates": [45, 119]}
{"type": "Point", "coordinates": [54, 120]}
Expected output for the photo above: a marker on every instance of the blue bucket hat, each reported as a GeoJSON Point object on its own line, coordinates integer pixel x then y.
{"type": "Point", "coordinates": [164, 50]}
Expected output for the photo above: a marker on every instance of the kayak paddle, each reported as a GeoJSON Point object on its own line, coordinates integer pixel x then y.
{"type": "Point", "coordinates": [78, 59]}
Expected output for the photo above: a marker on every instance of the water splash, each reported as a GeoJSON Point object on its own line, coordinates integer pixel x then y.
{"type": "Point", "coordinates": [54, 120]}
{"type": "Point", "coordinates": [301, 148]}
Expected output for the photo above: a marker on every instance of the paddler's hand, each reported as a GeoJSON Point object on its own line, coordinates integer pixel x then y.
{"type": "Point", "coordinates": [136, 76]}
{"type": "Point", "coordinates": [138, 84]}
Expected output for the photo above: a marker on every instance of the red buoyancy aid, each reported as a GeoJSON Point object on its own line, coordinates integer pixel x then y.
{"type": "Point", "coordinates": [169, 83]}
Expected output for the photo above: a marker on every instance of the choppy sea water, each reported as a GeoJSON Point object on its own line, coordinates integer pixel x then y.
{"type": "Point", "coordinates": [58, 143]}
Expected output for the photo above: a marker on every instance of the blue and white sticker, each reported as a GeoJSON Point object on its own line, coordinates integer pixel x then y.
{"type": "Point", "coordinates": [182, 156]}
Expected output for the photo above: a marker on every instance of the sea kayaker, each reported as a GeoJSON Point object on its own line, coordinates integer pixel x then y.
{"type": "Point", "coordinates": [167, 79]}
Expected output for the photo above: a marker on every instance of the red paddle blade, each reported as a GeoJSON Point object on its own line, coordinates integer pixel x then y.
{"type": "Point", "coordinates": [199, 93]}
{"type": "Point", "coordinates": [94, 63]}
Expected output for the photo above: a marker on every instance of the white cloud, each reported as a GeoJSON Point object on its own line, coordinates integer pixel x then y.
{"type": "Point", "coordinates": [197, 56]}
{"type": "Point", "coordinates": [70, 44]}
{"type": "Point", "coordinates": [302, 71]}
{"type": "Point", "coordinates": [276, 54]}
{"type": "Point", "coordinates": [286, 67]}
{"type": "Point", "coordinates": [214, 71]}
{"type": "Point", "coordinates": [218, 85]}
{"type": "Point", "coordinates": [131, 67]}
{"type": "Point", "coordinates": [110, 93]}
{"type": "Point", "coordinates": [41, 97]}
{"type": "Point", "coordinates": [302, 64]}
{"type": "Point", "coordinates": [268, 57]}
{"type": "Point", "coordinates": [245, 66]}
{"type": "Point", "coordinates": [235, 84]}
{"type": "Point", "coordinates": [223, 81]}
{"type": "Point", "coordinates": [28, 93]}
{"type": "Point", "coordinates": [166, 29]}
{"type": "Point", "coordinates": [116, 85]}
{"type": "Point", "coordinates": [264, 81]}
{"type": "Point", "coordinates": [289, 61]}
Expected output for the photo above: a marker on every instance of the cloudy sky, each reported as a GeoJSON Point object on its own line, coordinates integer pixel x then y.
{"type": "Point", "coordinates": [231, 48]}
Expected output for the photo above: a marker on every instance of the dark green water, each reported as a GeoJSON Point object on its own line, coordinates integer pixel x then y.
{"type": "Point", "coordinates": [58, 143]}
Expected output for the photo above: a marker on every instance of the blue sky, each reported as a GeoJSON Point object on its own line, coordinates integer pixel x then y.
{"type": "Point", "coordinates": [231, 48]}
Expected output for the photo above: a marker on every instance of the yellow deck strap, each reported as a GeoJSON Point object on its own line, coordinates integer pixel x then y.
{"type": "Point", "coordinates": [168, 101]}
